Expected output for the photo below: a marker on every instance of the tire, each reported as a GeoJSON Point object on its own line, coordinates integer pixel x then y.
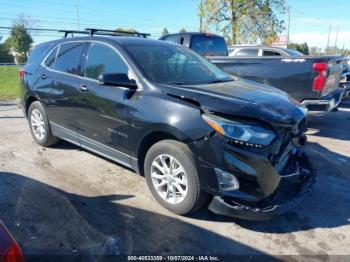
{"type": "Point", "coordinates": [38, 121]}
{"type": "Point", "coordinates": [170, 149]}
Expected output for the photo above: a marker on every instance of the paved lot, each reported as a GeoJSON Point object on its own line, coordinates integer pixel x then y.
{"type": "Point", "coordinates": [65, 200]}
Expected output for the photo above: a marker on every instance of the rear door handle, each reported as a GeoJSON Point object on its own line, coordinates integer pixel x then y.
{"type": "Point", "coordinates": [43, 76]}
{"type": "Point", "coordinates": [83, 88]}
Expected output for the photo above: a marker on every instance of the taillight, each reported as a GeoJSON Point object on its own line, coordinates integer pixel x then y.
{"type": "Point", "coordinates": [10, 251]}
{"type": "Point", "coordinates": [21, 73]}
{"type": "Point", "coordinates": [14, 254]}
{"type": "Point", "coordinates": [321, 78]}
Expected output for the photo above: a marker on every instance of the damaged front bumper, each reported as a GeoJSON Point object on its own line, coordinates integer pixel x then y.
{"type": "Point", "coordinates": [286, 198]}
{"type": "Point", "coordinates": [266, 188]}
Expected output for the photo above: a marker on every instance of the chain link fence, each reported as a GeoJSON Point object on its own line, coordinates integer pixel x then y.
{"type": "Point", "coordinates": [6, 57]}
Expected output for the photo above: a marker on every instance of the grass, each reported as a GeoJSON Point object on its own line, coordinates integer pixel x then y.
{"type": "Point", "coordinates": [9, 82]}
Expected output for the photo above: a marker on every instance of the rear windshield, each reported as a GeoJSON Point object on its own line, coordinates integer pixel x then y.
{"type": "Point", "coordinates": [208, 45]}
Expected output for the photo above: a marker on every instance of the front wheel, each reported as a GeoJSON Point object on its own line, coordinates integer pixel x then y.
{"type": "Point", "coordinates": [172, 177]}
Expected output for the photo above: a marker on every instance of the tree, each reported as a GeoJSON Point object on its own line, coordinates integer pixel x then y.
{"type": "Point", "coordinates": [314, 50]}
{"type": "Point", "coordinates": [303, 48]}
{"type": "Point", "coordinates": [20, 42]}
{"type": "Point", "coordinates": [183, 30]}
{"type": "Point", "coordinates": [127, 30]}
{"type": "Point", "coordinates": [165, 31]}
{"type": "Point", "coordinates": [245, 21]}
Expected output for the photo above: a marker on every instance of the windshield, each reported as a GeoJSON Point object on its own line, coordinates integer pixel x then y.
{"type": "Point", "coordinates": [175, 65]}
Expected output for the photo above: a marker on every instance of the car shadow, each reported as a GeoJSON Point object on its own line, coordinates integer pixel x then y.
{"type": "Point", "coordinates": [50, 221]}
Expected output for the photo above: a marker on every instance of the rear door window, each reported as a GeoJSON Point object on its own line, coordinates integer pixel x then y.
{"type": "Point", "coordinates": [248, 52]}
{"type": "Point", "coordinates": [102, 59]}
{"type": "Point", "coordinates": [68, 57]}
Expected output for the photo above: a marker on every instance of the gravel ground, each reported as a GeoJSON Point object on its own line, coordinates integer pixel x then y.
{"type": "Point", "coordinates": [68, 201]}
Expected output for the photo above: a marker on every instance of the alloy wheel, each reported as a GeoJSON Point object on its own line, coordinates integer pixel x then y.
{"type": "Point", "coordinates": [169, 179]}
{"type": "Point", "coordinates": [38, 124]}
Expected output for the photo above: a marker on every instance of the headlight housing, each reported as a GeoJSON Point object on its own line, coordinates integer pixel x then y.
{"type": "Point", "coordinates": [245, 134]}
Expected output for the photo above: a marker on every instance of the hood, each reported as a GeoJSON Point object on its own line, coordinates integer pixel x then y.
{"type": "Point", "coordinates": [242, 98]}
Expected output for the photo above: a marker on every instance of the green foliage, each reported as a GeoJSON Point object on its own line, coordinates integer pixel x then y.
{"type": "Point", "coordinates": [127, 30]}
{"type": "Point", "coordinates": [183, 30]}
{"type": "Point", "coordinates": [5, 55]}
{"type": "Point", "coordinates": [303, 48]}
{"type": "Point", "coordinates": [244, 21]}
{"type": "Point", "coordinates": [20, 41]}
{"type": "Point", "coordinates": [165, 31]}
{"type": "Point", "coordinates": [314, 50]}
{"type": "Point", "coordinates": [9, 84]}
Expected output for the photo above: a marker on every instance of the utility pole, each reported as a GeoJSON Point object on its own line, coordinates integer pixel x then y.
{"type": "Point", "coordinates": [78, 17]}
{"type": "Point", "coordinates": [288, 25]}
{"type": "Point", "coordinates": [201, 13]}
{"type": "Point", "coordinates": [336, 37]}
{"type": "Point", "coordinates": [329, 36]}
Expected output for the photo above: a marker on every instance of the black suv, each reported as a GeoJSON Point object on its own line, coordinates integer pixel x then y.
{"type": "Point", "coordinates": [198, 135]}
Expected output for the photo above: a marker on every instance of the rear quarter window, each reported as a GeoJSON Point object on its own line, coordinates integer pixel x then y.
{"type": "Point", "coordinates": [248, 52]}
{"type": "Point", "coordinates": [38, 53]}
{"type": "Point", "coordinates": [271, 53]}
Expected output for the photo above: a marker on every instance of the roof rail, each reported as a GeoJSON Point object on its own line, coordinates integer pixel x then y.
{"type": "Point", "coordinates": [67, 32]}
{"type": "Point", "coordinates": [95, 31]}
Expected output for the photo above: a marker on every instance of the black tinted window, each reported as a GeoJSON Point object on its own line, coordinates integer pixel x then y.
{"type": "Point", "coordinates": [68, 57]}
{"type": "Point", "coordinates": [271, 53]}
{"type": "Point", "coordinates": [102, 59]}
{"type": "Point", "coordinates": [50, 60]}
{"type": "Point", "coordinates": [209, 45]}
{"type": "Point", "coordinates": [248, 52]}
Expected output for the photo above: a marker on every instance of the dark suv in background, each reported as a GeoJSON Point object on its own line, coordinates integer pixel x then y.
{"type": "Point", "coordinates": [198, 135]}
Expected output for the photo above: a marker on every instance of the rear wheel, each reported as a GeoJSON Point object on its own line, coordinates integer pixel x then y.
{"type": "Point", "coordinates": [172, 177]}
{"type": "Point", "coordinates": [39, 125]}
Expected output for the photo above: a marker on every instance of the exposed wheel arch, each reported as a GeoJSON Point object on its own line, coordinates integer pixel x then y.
{"type": "Point", "coordinates": [146, 144]}
{"type": "Point", "coordinates": [29, 101]}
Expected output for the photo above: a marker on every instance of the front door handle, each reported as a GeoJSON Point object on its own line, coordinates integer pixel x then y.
{"type": "Point", "coordinates": [43, 76]}
{"type": "Point", "coordinates": [83, 88]}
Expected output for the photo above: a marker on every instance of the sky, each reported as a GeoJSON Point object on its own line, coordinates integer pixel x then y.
{"type": "Point", "coordinates": [310, 19]}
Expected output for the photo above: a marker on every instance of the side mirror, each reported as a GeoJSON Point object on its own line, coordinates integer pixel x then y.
{"type": "Point", "coordinates": [116, 79]}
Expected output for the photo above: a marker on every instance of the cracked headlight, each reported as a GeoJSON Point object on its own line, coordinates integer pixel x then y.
{"type": "Point", "coordinates": [245, 134]}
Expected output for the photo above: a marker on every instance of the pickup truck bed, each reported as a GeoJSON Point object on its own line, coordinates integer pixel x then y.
{"type": "Point", "coordinates": [292, 75]}
{"type": "Point", "coordinates": [295, 76]}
